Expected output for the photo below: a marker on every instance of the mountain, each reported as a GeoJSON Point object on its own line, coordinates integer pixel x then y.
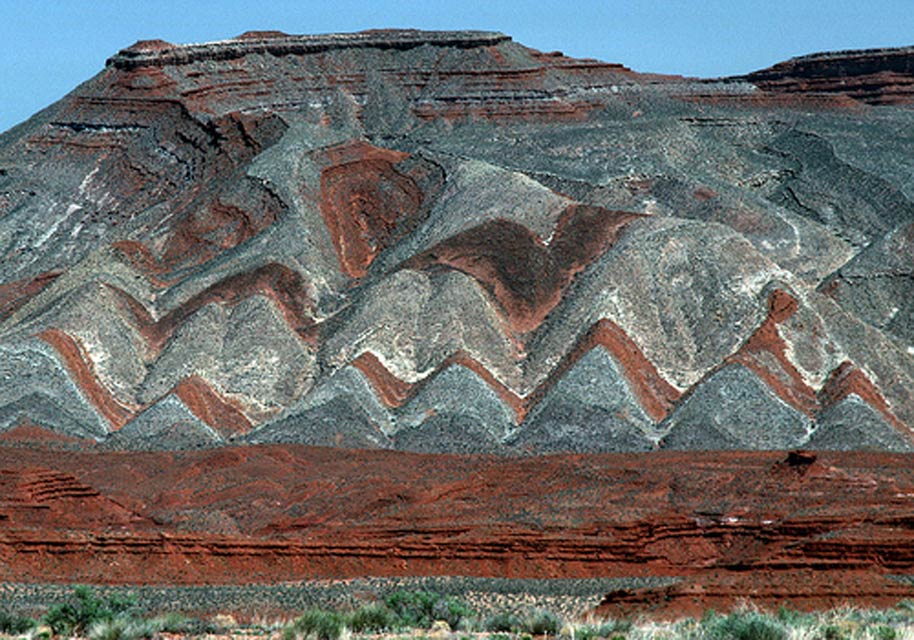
{"type": "Point", "coordinates": [450, 242]}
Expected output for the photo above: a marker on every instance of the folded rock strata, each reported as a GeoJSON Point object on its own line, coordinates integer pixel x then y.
{"type": "Point", "coordinates": [450, 242]}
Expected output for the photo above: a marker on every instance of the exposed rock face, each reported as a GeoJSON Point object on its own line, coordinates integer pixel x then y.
{"type": "Point", "coordinates": [813, 530]}
{"type": "Point", "coordinates": [449, 242]}
{"type": "Point", "coordinates": [874, 76]}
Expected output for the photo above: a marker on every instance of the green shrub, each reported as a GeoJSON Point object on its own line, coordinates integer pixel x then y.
{"type": "Point", "coordinates": [834, 632]}
{"type": "Point", "coordinates": [503, 622]}
{"type": "Point", "coordinates": [182, 625]}
{"type": "Point", "coordinates": [109, 630]}
{"type": "Point", "coordinates": [541, 622]}
{"type": "Point", "coordinates": [743, 625]}
{"type": "Point", "coordinates": [455, 612]}
{"type": "Point", "coordinates": [85, 609]}
{"type": "Point", "coordinates": [413, 608]}
{"type": "Point", "coordinates": [373, 618]}
{"type": "Point", "coordinates": [419, 609]}
{"type": "Point", "coordinates": [13, 624]}
{"type": "Point", "coordinates": [315, 624]}
{"type": "Point", "coordinates": [884, 632]}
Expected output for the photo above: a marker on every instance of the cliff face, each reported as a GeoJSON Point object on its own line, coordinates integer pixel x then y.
{"type": "Point", "coordinates": [873, 76]}
{"type": "Point", "coordinates": [450, 242]}
{"type": "Point", "coordinates": [810, 530]}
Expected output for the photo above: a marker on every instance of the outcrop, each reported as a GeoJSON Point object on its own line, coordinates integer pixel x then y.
{"type": "Point", "coordinates": [873, 76]}
{"type": "Point", "coordinates": [449, 244]}
{"type": "Point", "coordinates": [809, 529]}
{"type": "Point", "coordinates": [292, 238]}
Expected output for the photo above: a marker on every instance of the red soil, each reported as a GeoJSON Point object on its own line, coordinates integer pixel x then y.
{"type": "Point", "coordinates": [811, 529]}
{"type": "Point", "coordinates": [27, 433]}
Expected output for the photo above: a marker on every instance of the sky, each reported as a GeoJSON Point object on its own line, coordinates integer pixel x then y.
{"type": "Point", "coordinates": [48, 47]}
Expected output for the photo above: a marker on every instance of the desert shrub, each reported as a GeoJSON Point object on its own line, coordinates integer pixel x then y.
{"type": "Point", "coordinates": [742, 625]}
{"type": "Point", "coordinates": [605, 629]}
{"type": "Point", "coordinates": [454, 611]}
{"type": "Point", "coordinates": [885, 632]}
{"type": "Point", "coordinates": [540, 622]}
{"type": "Point", "coordinates": [372, 618]}
{"type": "Point", "coordinates": [13, 624]}
{"type": "Point", "coordinates": [121, 628]}
{"type": "Point", "coordinates": [85, 609]}
{"type": "Point", "coordinates": [794, 618]}
{"type": "Point", "coordinates": [419, 609]}
{"type": "Point", "coordinates": [906, 606]}
{"type": "Point", "coordinates": [503, 622]}
{"type": "Point", "coordinates": [413, 608]}
{"type": "Point", "coordinates": [124, 627]}
{"type": "Point", "coordinates": [315, 624]}
{"type": "Point", "coordinates": [115, 629]}
{"type": "Point", "coordinates": [182, 625]}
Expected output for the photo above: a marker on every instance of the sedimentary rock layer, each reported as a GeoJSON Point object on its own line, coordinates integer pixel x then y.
{"type": "Point", "coordinates": [448, 241]}
{"type": "Point", "coordinates": [723, 525]}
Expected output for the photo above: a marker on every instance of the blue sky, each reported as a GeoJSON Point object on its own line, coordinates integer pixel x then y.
{"type": "Point", "coordinates": [47, 47]}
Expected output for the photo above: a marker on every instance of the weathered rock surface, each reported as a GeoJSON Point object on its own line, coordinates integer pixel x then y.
{"type": "Point", "coordinates": [449, 242]}
{"type": "Point", "coordinates": [810, 529]}
{"type": "Point", "coordinates": [873, 76]}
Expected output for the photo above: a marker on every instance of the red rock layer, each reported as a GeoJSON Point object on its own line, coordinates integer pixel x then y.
{"type": "Point", "coordinates": [200, 181]}
{"type": "Point", "coordinates": [391, 390]}
{"type": "Point", "coordinates": [848, 379]}
{"type": "Point", "coordinates": [526, 276]}
{"type": "Point", "coordinates": [82, 372]}
{"type": "Point", "coordinates": [365, 202]}
{"type": "Point", "coordinates": [503, 81]}
{"type": "Point", "coordinates": [655, 394]}
{"type": "Point", "coordinates": [29, 433]}
{"type": "Point", "coordinates": [143, 259]}
{"type": "Point", "coordinates": [394, 392]}
{"type": "Point", "coordinates": [33, 496]}
{"type": "Point", "coordinates": [223, 415]}
{"type": "Point", "coordinates": [216, 227]}
{"type": "Point", "coordinates": [282, 285]}
{"type": "Point", "coordinates": [14, 295]}
{"type": "Point", "coordinates": [872, 76]}
{"type": "Point", "coordinates": [726, 524]}
{"type": "Point", "coordinates": [765, 354]}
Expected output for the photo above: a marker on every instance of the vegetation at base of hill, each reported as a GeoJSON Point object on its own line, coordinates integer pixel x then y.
{"type": "Point", "coordinates": [424, 614]}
